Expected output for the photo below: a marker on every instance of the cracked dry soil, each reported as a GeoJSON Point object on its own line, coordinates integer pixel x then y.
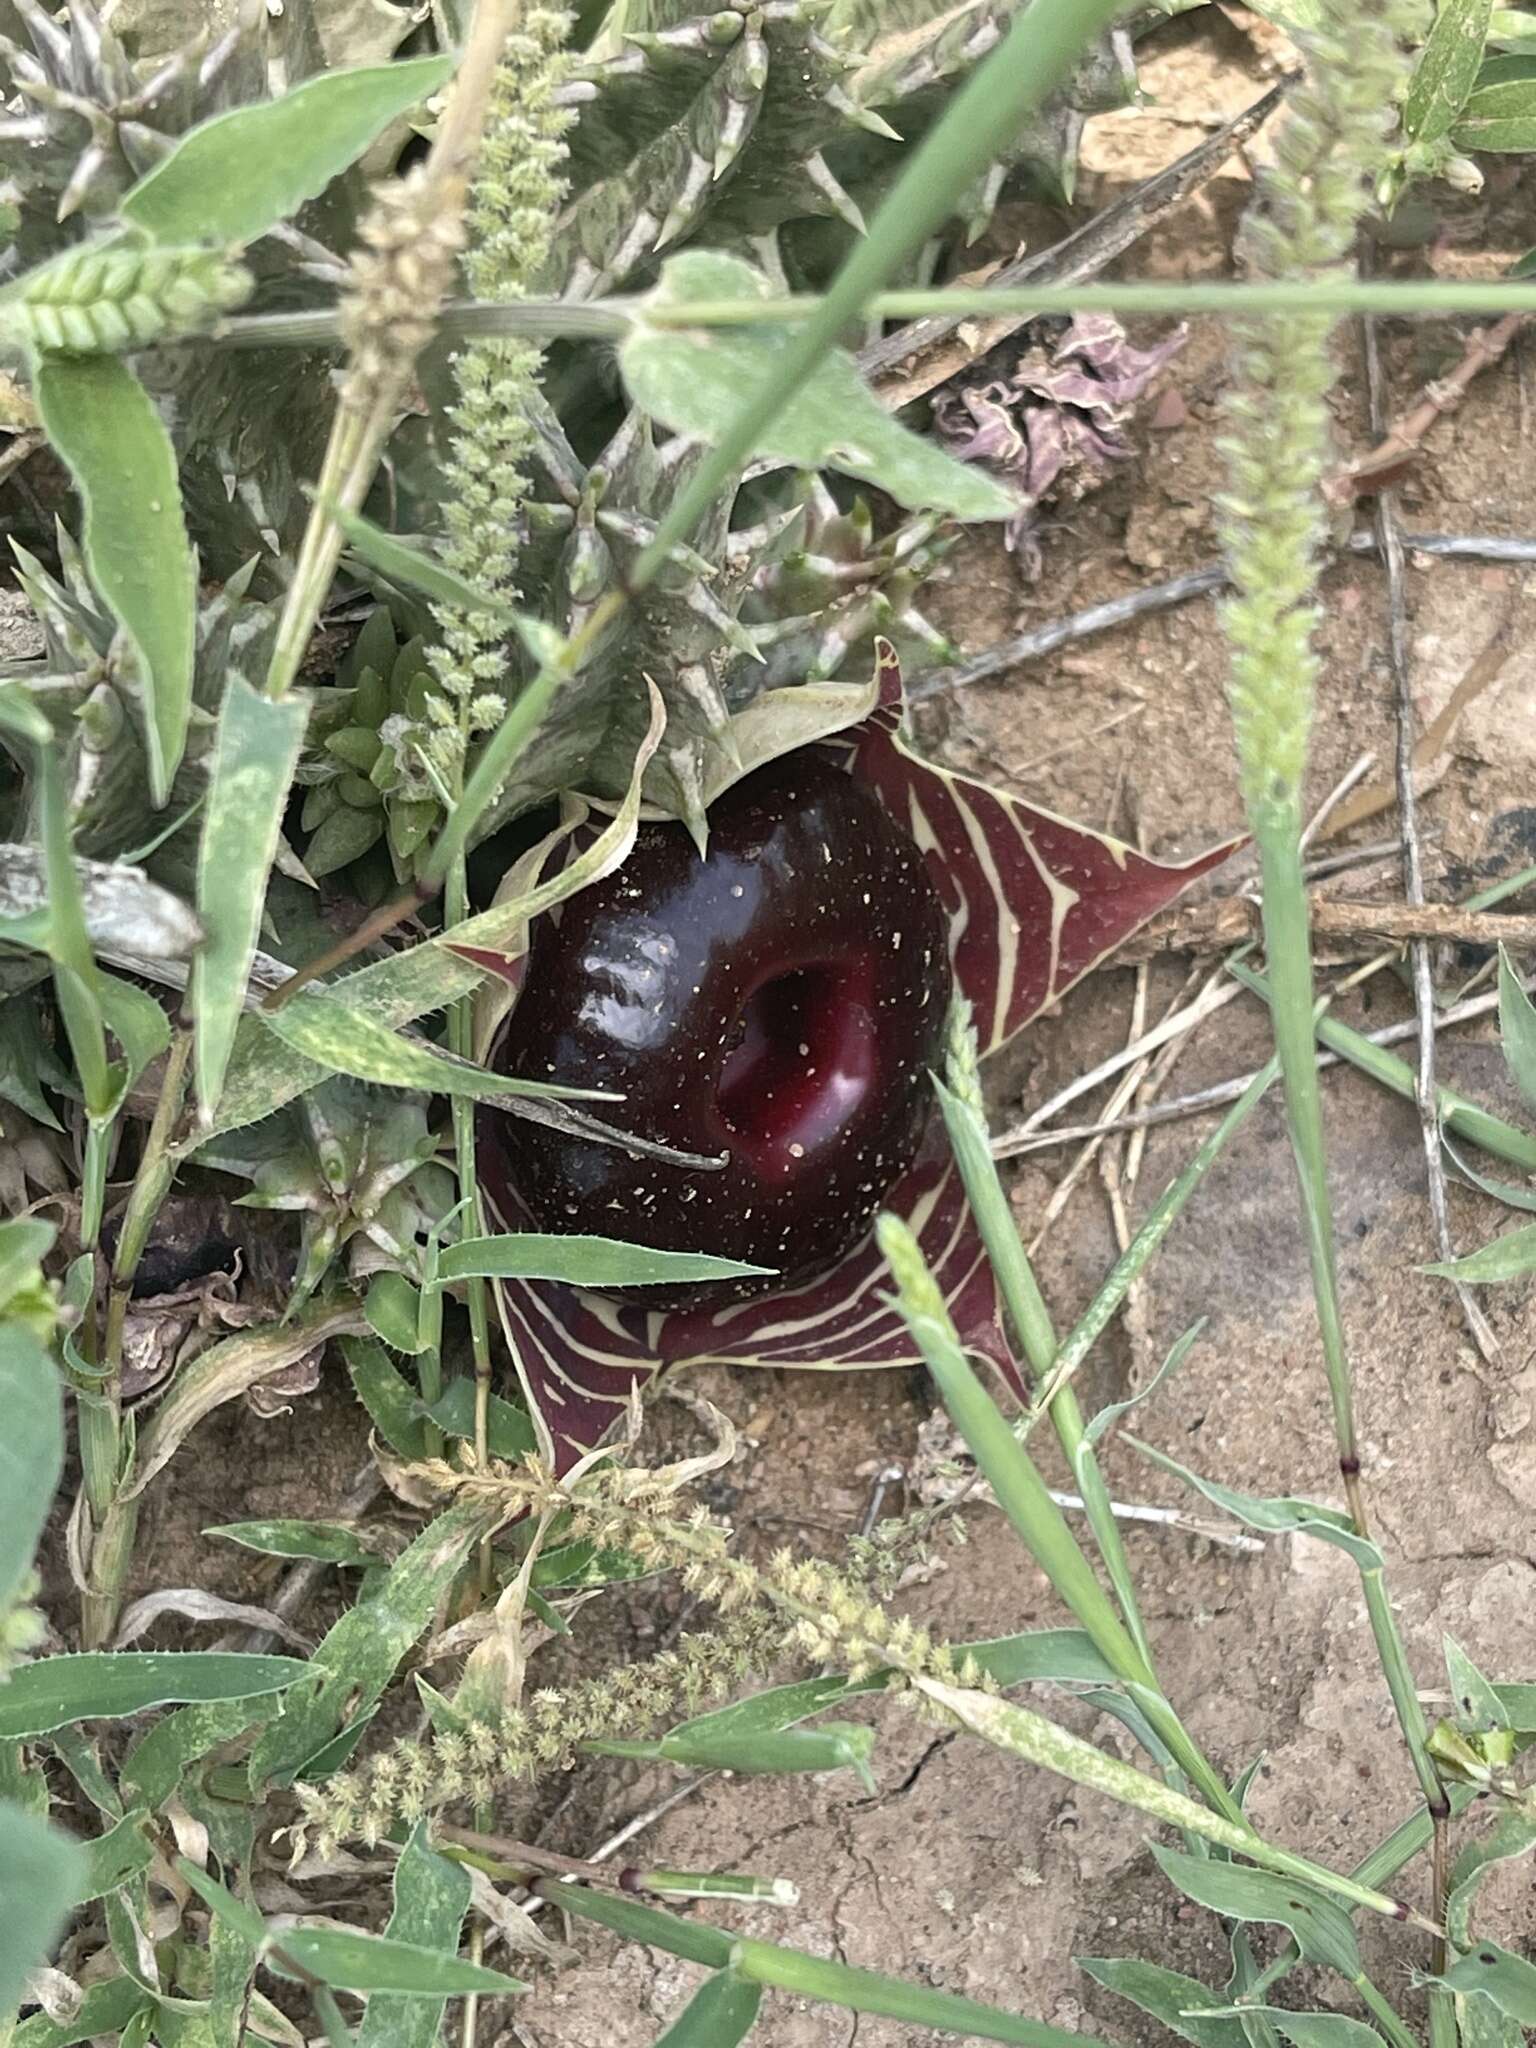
{"type": "Point", "coordinates": [966, 1870]}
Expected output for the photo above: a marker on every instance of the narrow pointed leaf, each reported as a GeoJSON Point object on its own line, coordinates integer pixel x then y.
{"type": "Point", "coordinates": [349, 1960]}
{"type": "Point", "coordinates": [221, 1901]}
{"type": "Point", "coordinates": [1517, 1029]}
{"type": "Point", "coordinates": [105, 1685]}
{"type": "Point", "coordinates": [343, 1041]}
{"type": "Point", "coordinates": [410, 564]}
{"type": "Point", "coordinates": [1500, 118]}
{"type": "Point", "coordinates": [431, 1897]}
{"type": "Point", "coordinates": [696, 381]}
{"type": "Point", "coordinates": [76, 977]}
{"type": "Point", "coordinates": [234, 177]}
{"type": "Point", "coordinates": [40, 1877]}
{"type": "Point", "coordinates": [1509, 1257]}
{"type": "Point", "coordinates": [1181, 2004]}
{"type": "Point", "coordinates": [329, 1542]}
{"type": "Point", "coordinates": [720, 2014]}
{"type": "Point", "coordinates": [31, 1454]}
{"type": "Point", "coordinates": [255, 753]}
{"type": "Point", "coordinates": [1477, 1705]}
{"type": "Point", "coordinates": [106, 428]}
{"type": "Point", "coordinates": [917, 2005]}
{"type": "Point", "coordinates": [581, 1261]}
{"type": "Point", "coordinates": [361, 1652]}
{"type": "Point", "coordinates": [1446, 69]}
{"type": "Point", "coordinates": [1322, 2029]}
{"type": "Point", "coordinates": [1323, 1931]}
{"type": "Point", "coordinates": [393, 1404]}
{"type": "Point", "coordinates": [1282, 1516]}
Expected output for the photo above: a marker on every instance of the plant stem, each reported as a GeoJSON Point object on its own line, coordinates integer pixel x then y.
{"type": "Point", "coordinates": [1457, 1113]}
{"type": "Point", "coordinates": [461, 1036]}
{"type": "Point", "coordinates": [1032, 58]}
{"type": "Point", "coordinates": [328, 2012]}
{"type": "Point", "coordinates": [1383, 2012]}
{"type": "Point", "coordinates": [612, 319]}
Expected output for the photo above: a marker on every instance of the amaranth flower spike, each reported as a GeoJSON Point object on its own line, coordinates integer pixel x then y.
{"type": "Point", "coordinates": [1031, 902]}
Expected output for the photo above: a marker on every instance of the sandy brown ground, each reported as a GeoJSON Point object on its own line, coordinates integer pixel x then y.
{"type": "Point", "coordinates": [965, 1870]}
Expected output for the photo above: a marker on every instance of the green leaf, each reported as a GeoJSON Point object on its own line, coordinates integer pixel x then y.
{"type": "Point", "coordinates": [1499, 118]}
{"type": "Point", "coordinates": [393, 1309]}
{"type": "Point", "coordinates": [77, 979]}
{"type": "Point", "coordinates": [720, 2014]}
{"type": "Point", "coordinates": [24, 1242]}
{"type": "Point", "coordinates": [31, 1454]}
{"type": "Point", "coordinates": [431, 1898]}
{"type": "Point", "coordinates": [1517, 1027]}
{"type": "Point", "coordinates": [105, 2010]}
{"type": "Point", "coordinates": [1509, 1980]}
{"type": "Point", "coordinates": [246, 1920]}
{"type": "Point", "coordinates": [1478, 1707]}
{"type": "Point", "coordinates": [1447, 68]}
{"type": "Point", "coordinates": [1281, 1515]}
{"type": "Point", "coordinates": [836, 1746]}
{"type": "Point", "coordinates": [1107, 1418]}
{"type": "Point", "coordinates": [111, 1859]}
{"type": "Point", "coordinates": [696, 382]}
{"type": "Point", "coordinates": [40, 1876]}
{"type": "Point", "coordinates": [344, 1041]}
{"type": "Point", "coordinates": [409, 563]}
{"type": "Point", "coordinates": [509, 1432]}
{"type": "Point", "coordinates": [1322, 2029]}
{"type": "Point", "coordinates": [255, 753]}
{"type": "Point", "coordinates": [581, 1262]}
{"type": "Point", "coordinates": [329, 1542]}
{"type": "Point", "coordinates": [136, 1021]}
{"type": "Point", "coordinates": [361, 1652]}
{"type": "Point", "coordinates": [393, 1404]}
{"type": "Point", "coordinates": [106, 429]}
{"type": "Point", "coordinates": [1509, 1257]}
{"type": "Point", "coordinates": [1182, 2005]}
{"type": "Point", "coordinates": [1322, 1929]}
{"type": "Point", "coordinates": [1513, 1838]}
{"type": "Point", "coordinates": [694, 1940]}
{"type": "Point", "coordinates": [350, 1960]}
{"type": "Point", "coordinates": [235, 177]}
{"type": "Point", "coordinates": [106, 1685]}
{"type": "Point", "coordinates": [156, 1763]}
{"type": "Point", "coordinates": [871, 1991]}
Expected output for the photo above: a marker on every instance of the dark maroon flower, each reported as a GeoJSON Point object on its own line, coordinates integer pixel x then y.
{"type": "Point", "coordinates": [1030, 903]}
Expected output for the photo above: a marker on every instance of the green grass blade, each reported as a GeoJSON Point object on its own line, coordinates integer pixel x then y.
{"type": "Point", "coordinates": [1457, 1114]}
{"type": "Point", "coordinates": [720, 2014]}
{"type": "Point", "coordinates": [1007, 1467]}
{"type": "Point", "coordinates": [917, 2005]}
{"type": "Point", "coordinates": [99, 1685]}
{"type": "Point", "coordinates": [581, 1261]}
{"type": "Point", "coordinates": [255, 753]}
{"type": "Point", "coordinates": [77, 980]}
{"type": "Point", "coordinates": [108, 432]}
